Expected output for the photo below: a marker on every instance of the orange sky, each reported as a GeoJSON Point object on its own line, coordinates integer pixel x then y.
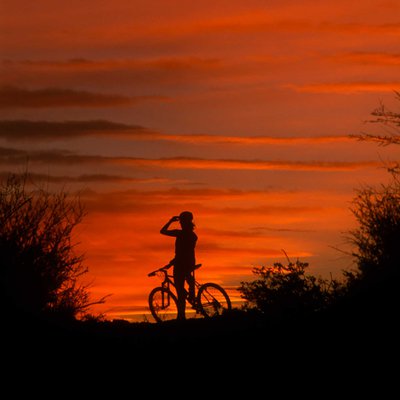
{"type": "Point", "coordinates": [238, 111]}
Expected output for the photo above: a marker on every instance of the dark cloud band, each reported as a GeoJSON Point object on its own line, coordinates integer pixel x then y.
{"type": "Point", "coordinates": [15, 130]}
{"type": "Point", "coordinates": [13, 97]}
{"type": "Point", "coordinates": [62, 157]}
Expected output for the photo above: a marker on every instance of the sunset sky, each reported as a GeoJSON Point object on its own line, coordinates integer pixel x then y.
{"type": "Point", "coordinates": [239, 111]}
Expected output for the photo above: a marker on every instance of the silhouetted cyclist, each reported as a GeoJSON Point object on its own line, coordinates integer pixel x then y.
{"type": "Point", "coordinates": [185, 259]}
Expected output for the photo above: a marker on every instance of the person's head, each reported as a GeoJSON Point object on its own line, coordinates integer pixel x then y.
{"type": "Point", "coordinates": [186, 220]}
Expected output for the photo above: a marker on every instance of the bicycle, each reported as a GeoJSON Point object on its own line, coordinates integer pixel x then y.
{"type": "Point", "coordinates": [211, 299]}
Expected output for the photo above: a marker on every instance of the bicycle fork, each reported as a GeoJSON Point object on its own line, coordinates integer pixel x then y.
{"type": "Point", "coordinates": [165, 297]}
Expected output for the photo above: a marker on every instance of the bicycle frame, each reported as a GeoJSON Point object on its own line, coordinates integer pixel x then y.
{"type": "Point", "coordinates": [168, 281]}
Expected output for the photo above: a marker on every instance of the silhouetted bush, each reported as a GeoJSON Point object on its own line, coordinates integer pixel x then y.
{"type": "Point", "coordinates": [39, 269]}
{"type": "Point", "coordinates": [287, 291]}
{"type": "Point", "coordinates": [377, 245]}
{"type": "Point", "coordinates": [377, 238]}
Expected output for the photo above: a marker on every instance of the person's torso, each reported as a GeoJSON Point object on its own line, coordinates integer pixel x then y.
{"type": "Point", "coordinates": [185, 244]}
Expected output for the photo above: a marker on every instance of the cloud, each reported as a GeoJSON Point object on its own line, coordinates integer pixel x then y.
{"type": "Point", "coordinates": [9, 156]}
{"type": "Point", "coordinates": [178, 64]}
{"type": "Point", "coordinates": [250, 140]}
{"type": "Point", "coordinates": [151, 32]}
{"type": "Point", "coordinates": [139, 72]}
{"type": "Point", "coordinates": [16, 130]}
{"type": "Point", "coordinates": [346, 87]}
{"type": "Point", "coordinates": [356, 28]}
{"type": "Point", "coordinates": [85, 178]}
{"type": "Point", "coordinates": [145, 75]}
{"type": "Point", "coordinates": [64, 157]}
{"type": "Point", "coordinates": [369, 58]}
{"type": "Point", "coordinates": [260, 165]}
{"type": "Point", "coordinates": [14, 97]}
{"type": "Point", "coordinates": [260, 233]}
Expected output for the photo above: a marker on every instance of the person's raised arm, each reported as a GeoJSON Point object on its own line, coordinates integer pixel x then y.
{"type": "Point", "coordinates": [165, 231]}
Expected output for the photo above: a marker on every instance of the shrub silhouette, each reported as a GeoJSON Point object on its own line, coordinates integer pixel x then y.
{"type": "Point", "coordinates": [39, 270]}
{"type": "Point", "coordinates": [377, 246]}
{"type": "Point", "coordinates": [287, 291]}
{"type": "Point", "coordinates": [378, 237]}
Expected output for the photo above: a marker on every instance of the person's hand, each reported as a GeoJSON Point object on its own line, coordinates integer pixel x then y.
{"type": "Point", "coordinates": [174, 219]}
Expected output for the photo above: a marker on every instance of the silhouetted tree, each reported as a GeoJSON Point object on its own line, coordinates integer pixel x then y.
{"type": "Point", "coordinates": [287, 291]}
{"type": "Point", "coordinates": [39, 269]}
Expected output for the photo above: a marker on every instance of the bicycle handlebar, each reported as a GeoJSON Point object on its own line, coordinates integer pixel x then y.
{"type": "Point", "coordinates": [165, 267]}
{"type": "Point", "coordinates": [162, 269]}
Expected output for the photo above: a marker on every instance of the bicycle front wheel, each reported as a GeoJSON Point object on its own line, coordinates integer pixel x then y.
{"type": "Point", "coordinates": [163, 304]}
{"type": "Point", "coordinates": [213, 300]}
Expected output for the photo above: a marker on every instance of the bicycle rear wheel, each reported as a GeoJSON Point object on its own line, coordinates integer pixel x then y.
{"type": "Point", "coordinates": [213, 300]}
{"type": "Point", "coordinates": [163, 304]}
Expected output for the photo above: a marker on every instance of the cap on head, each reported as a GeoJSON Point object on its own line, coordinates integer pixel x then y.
{"type": "Point", "coordinates": [186, 216]}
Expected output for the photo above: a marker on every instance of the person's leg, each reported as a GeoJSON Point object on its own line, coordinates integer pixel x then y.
{"type": "Point", "coordinates": [190, 281]}
{"type": "Point", "coordinates": [179, 280]}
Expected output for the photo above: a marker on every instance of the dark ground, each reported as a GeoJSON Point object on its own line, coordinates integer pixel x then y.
{"type": "Point", "coordinates": [237, 354]}
{"type": "Point", "coordinates": [237, 333]}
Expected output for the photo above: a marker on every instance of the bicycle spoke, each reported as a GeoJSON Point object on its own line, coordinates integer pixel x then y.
{"type": "Point", "coordinates": [213, 300]}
